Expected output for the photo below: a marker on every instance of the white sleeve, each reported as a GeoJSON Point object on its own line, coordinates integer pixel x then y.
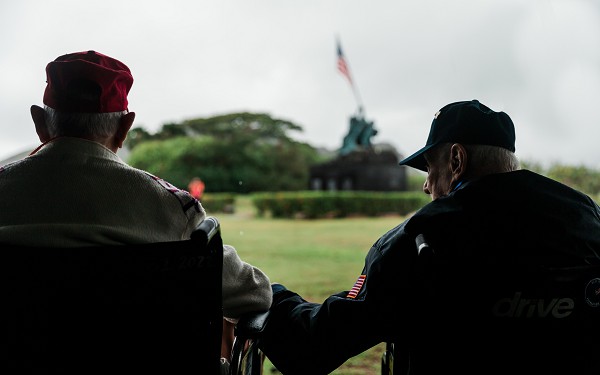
{"type": "Point", "coordinates": [245, 287]}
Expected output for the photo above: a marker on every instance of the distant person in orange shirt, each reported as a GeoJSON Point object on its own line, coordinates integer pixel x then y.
{"type": "Point", "coordinates": [196, 188]}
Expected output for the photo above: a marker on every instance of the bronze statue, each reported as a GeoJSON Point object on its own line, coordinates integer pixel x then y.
{"type": "Point", "coordinates": [359, 135]}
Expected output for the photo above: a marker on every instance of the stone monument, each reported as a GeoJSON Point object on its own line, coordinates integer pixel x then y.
{"type": "Point", "coordinates": [360, 165]}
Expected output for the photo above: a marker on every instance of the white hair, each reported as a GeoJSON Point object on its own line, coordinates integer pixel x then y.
{"type": "Point", "coordinates": [86, 125]}
{"type": "Point", "coordinates": [491, 159]}
{"type": "Point", "coordinates": [483, 159]}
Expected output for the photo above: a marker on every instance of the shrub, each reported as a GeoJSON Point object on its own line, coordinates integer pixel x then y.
{"type": "Point", "coordinates": [219, 202]}
{"type": "Point", "coordinates": [318, 204]}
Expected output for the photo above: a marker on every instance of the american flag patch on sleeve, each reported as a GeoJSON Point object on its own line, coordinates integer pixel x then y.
{"type": "Point", "coordinates": [357, 287]}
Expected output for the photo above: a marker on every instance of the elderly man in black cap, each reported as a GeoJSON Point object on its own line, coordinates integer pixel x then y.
{"type": "Point", "coordinates": [431, 285]}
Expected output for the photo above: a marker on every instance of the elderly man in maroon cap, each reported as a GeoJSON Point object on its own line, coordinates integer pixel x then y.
{"type": "Point", "coordinates": [73, 190]}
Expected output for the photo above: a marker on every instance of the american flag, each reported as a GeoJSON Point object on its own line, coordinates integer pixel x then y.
{"type": "Point", "coordinates": [357, 287]}
{"type": "Point", "coordinates": [341, 63]}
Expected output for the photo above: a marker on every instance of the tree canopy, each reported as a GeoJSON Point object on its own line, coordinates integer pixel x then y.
{"type": "Point", "coordinates": [238, 152]}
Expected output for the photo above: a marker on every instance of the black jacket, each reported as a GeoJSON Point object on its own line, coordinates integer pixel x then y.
{"type": "Point", "coordinates": [479, 233]}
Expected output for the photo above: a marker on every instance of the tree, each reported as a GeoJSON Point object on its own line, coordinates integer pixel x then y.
{"type": "Point", "coordinates": [578, 177]}
{"type": "Point", "coordinates": [240, 152]}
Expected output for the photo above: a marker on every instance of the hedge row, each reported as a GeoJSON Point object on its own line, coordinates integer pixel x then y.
{"type": "Point", "coordinates": [318, 204]}
{"type": "Point", "coordinates": [219, 202]}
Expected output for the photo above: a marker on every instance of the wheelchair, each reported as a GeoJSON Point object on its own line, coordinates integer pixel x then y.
{"type": "Point", "coordinates": [148, 308]}
{"type": "Point", "coordinates": [504, 317]}
{"type": "Point", "coordinates": [509, 315]}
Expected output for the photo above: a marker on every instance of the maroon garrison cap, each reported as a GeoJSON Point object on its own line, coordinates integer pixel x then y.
{"type": "Point", "coordinates": [87, 82]}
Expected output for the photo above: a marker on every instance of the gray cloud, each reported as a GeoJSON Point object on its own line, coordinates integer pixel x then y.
{"type": "Point", "coordinates": [536, 60]}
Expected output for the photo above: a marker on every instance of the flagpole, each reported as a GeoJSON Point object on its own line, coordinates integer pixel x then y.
{"type": "Point", "coordinates": [344, 68]}
{"type": "Point", "coordinates": [361, 110]}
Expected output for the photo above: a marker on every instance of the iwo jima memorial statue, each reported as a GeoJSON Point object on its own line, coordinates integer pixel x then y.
{"type": "Point", "coordinates": [359, 164]}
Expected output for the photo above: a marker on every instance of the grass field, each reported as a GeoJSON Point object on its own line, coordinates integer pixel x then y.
{"type": "Point", "coordinates": [315, 258]}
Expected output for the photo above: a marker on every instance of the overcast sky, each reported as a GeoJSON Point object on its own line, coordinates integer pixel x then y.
{"type": "Point", "coordinates": [539, 61]}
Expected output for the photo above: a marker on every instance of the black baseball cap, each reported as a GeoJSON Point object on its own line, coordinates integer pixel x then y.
{"type": "Point", "coordinates": [469, 123]}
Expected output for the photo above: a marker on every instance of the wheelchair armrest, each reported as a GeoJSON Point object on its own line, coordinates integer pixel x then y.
{"type": "Point", "coordinates": [251, 325]}
{"type": "Point", "coordinates": [247, 358]}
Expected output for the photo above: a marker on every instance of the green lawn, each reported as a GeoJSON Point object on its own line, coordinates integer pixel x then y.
{"type": "Point", "coordinates": [314, 258]}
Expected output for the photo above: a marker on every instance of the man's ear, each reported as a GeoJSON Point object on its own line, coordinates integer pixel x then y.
{"type": "Point", "coordinates": [125, 124]}
{"type": "Point", "coordinates": [38, 114]}
{"type": "Point", "coordinates": [458, 161]}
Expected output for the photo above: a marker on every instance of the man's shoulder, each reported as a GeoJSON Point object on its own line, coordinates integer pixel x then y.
{"type": "Point", "coordinates": [184, 197]}
{"type": "Point", "coordinates": [6, 167]}
{"type": "Point", "coordinates": [160, 182]}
